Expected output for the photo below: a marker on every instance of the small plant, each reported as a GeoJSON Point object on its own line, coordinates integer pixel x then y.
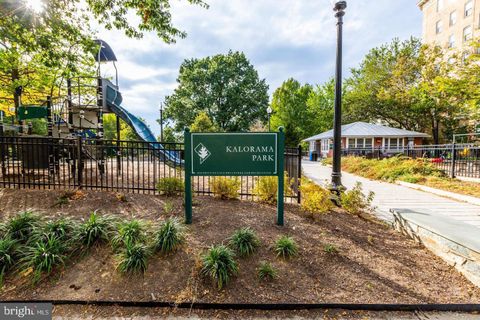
{"type": "Point", "coordinates": [170, 235]}
{"type": "Point", "coordinates": [95, 229]}
{"type": "Point", "coordinates": [168, 207]}
{"type": "Point", "coordinates": [266, 271]}
{"type": "Point", "coordinates": [355, 201]}
{"type": "Point", "coordinates": [23, 226]}
{"type": "Point", "coordinates": [266, 188]}
{"type": "Point", "coordinates": [121, 197]}
{"type": "Point", "coordinates": [219, 264]}
{"type": "Point", "coordinates": [132, 232]}
{"type": "Point", "coordinates": [170, 186]}
{"type": "Point", "coordinates": [244, 241]}
{"type": "Point", "coordinates": [133, 258]}
{"type": "Point", "coordinates": [286, 247]}
{"type": "Point", "coordinates": [62, 229]}
{"type": "Point", "coordinates": [225, 188]}
{"type": "Point", "coordinates": [8, 256]}
{"type": "Point", "coordinates": [44, 255]}
{"type": "Point", "coordinates": [315, 199]}
{"type": "Point", "coordinates": [330, 248]}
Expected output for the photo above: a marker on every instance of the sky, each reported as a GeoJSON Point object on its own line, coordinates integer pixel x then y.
{"type": "Point", "coordinates": [281, 38]}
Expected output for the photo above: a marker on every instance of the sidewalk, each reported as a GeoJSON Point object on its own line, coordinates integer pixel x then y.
{"type": "Point", "coordinates": [389, 196]}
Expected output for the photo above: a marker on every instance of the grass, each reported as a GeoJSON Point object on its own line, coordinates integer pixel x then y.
{"type": "Point", "coordinates": [330, 248]}
{"type": "Point", "coordinates": [129, 232]}
{"type": "Point", "coordinates": [8, 256]}
{"type": "Point", "coordinates": [133, 258]}
{"type": "Point", "coordinates": [63, 228]}
{"type": "Point", "coordinates": [169, 236]}
{"type": "Point", "coordinates": [23, 226]}
{"type": "Point", "coordinates": [266, 271]}
{"type": "Point", "coordinates": [286, 247]}
{"type": "Point", "coordinates": [244, 241]}
{"type": "Point", "coordinates": [95, 229]}
{"type": "Point", "coordinates": [219, 264]}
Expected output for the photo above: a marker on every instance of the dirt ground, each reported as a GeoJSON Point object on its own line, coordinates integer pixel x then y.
{"type": "Point", "coordinates": [375, 264]}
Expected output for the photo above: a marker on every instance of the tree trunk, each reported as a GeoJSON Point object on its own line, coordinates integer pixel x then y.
{"type": "Point", "coordinates": [16, 96]}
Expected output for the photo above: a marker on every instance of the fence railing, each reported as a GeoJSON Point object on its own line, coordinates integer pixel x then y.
{"type": "Point", "coordinates": [124, 166]}
{"type": "Point", "coordinates": [462, 160]}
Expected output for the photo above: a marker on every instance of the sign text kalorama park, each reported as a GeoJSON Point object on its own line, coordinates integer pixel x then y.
{"type": "Point", "coordinates": [234, 154]}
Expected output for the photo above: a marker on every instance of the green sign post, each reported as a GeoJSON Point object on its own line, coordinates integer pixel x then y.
{"type": "Point", "coordinates": [234, 154]}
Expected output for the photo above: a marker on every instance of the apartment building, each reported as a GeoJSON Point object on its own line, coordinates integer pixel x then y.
{"type": "Point", "coordinates": [450, 23]}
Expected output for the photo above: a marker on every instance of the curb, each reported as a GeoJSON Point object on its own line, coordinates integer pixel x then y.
{"type": "Point", "coordinates": [443, 193]}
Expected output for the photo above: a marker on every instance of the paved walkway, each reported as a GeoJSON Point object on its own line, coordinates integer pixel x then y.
{"type": "Point", "coordinates": [388, 196]}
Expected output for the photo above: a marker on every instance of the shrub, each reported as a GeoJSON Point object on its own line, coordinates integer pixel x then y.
{"type": "Point", "coordinates": [62, 229]}
{"type": "Point", "coordinates": [266, 271]}
{"type": "Point", "coordinates": [129, 232]}
{"type": "Point", "coordinates": [266, 188]}
{"type": "Point", "coordinates": [330, 248]}
{"type": "Point", "coordinates": [244, 241]}
{"type": "Point", "coordinates": [170, 235]}
{"type": "Point", "coordinates": [355, 201]}
{"type": "Point", "coordinates": [95, 229]}
{"type": "Point", "coordinates": [8, 256]}
{"type": "Point", "coordinates": [225, 187]}
{"type": "Point", "coordinates": [286, 247]}
{"type": "Point", "coordinates": [44, 255]}
{"type": "Point", "coordinates": [23, 226]}
{"type": "Point", "coordinates": [219, 264]}
{"type": "Point", "coordinates": [133, 258]}
{"type": "Point", "coordinates": [170, 186]}
{"type": "Point", "coordinates": [315, 199]}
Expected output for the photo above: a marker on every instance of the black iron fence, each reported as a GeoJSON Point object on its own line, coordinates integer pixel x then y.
{"type": "Point", "coordinates": [124, 166]}
{"type": "Point", "coordinates": [462, 160]}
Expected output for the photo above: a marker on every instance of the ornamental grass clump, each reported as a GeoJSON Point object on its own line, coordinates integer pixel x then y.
{"type": "Point", "coordinates": [8, 256]}
{"type": "Point", "coordinates": [219, 264]}
{"type": "Point", "coordinates": [244, 241]}
{"type": "Point", "coordinates": [96, 229]}
{"type": "Point", "coordinates": [133, 258]}
{"type": "Point", "coordinates": [286, 247]}
{"type": "Point", "coordinates": [169, 236]}
{"type": "Point", "coordinates": [133, 231]}
{"type": "Point", "coordinates": [63, 229]}
{"type": "Point", "coordinates": [23, 227]}
{"type": "Point", "coordinates": [225, 188]}
{"type": "Point", "coordinates": [354, 201]}
{"type": "Point", "coordinates": [266, 271]}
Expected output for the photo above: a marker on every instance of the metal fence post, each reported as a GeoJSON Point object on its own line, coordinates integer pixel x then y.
{"type": "Point", "coordinates": [280, 172]}
{"type": "Point", "coordinates": [299, 174]}
{"type": "Point", "coordinates": [2, 150]}
{"type": "Point", "coordinates": [79, 162]}
{"type": "Point", "coordinates": [452, 173]}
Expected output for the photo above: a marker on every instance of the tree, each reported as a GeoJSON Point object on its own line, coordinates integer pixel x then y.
{"type": "Point", "coordinates": [110, 129]}
{"type": "Point", "coordinates": [290, 110]}
{"type": "Point", "coordinates": [203, 123]}
{"type": "Point", "coordinates": [320, 104]}
{"type": "Point", "coordinates": [226, 87]}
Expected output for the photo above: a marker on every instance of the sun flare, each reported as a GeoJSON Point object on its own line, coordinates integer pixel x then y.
{"type": "Point", "coordinates": [36, 6]}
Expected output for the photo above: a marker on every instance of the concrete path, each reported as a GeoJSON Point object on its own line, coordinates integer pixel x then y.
{"type": "Point", "coordinates": [388, 196]}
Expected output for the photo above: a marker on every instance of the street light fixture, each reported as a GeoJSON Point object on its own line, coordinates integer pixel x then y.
{"type": "Point", "coordinates": [161, 121]}
{"type": "Point", "coordinates": [269, 112]}
{"type": "Point", "coordinates": [339, 8]}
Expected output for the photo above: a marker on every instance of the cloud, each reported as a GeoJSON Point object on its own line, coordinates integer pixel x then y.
{"type": "Point", "coordinates": [282, 39]}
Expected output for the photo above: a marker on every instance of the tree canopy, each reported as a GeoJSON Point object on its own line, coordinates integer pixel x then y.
{"type": "Point", "coordinates": [226, 87]}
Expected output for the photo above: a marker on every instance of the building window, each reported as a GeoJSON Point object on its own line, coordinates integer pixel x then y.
{"type": "Point", "coordinates": [394, 143]}
{"type": "Point", "coordinates": [453, 18]}
{"type": "Point", "coordinates": [368, 143]}
{"type": "Point", "coordinates": [351, 143]}
{"type": "Point", "coordinates": [360, 143]}
{"type": "Point", "coordinates": [451, 41]}
{"type": "Point", "coordinates": [468, 8]}
{"type": "Point", "coordinates": [439, 26]}
{"type": "Point", "coordinates": [467, 34]}
{"type": "Point", "coordinates": [439, 5]}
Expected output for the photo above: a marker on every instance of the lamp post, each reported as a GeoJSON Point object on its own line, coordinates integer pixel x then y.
{"type": "Point", "coordinates": [161, 121]}
{"type": "Point", "coordinates": [269, 112]}
{"type": "Point", "coordinates": [339, 8]}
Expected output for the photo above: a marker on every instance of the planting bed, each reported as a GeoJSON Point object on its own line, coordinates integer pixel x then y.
{"type": "Point", "coordinates": [374, 264]}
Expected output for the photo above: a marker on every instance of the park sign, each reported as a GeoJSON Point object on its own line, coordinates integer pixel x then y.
{"type": "Point", "coordinates": [234, 154]}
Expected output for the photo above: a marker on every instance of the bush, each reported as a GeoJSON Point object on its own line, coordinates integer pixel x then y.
{"type": "Point", "coordinates": [44, 255]}
{"type": "Point", "coordinates": [225, 187]}
{"type": "Point", "coordinates": [133, 258]}
{"type": "Point", "coordinates": [266, 271]}
{"type": "Point", "coordinates": [355, 201]}
{"type": "Point", "coordinates": [315, 199]}
{"type": "Point", "coordinates": [286, 247]}
{"type": "Point", "coordinates": [170, 186]}
{"type": "Point", "coordinates": [129, 232]}
{"type": "Point", "coordinates": [266, 188]}
{"type": "Point", "coordinates": [170, 235]}
{"type": "Point", "coordinates": [244, 241]}
{"type": "Point", "coordinates": [23, 226]}
{"type": "Point", "coordinates": [219, 264]}
{"type": "Point", "coordinates": [8, 256]}
{"type": "Point", "coordinates": [95, 229]}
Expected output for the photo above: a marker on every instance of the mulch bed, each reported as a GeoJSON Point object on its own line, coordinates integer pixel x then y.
{"type": "Point", "coordinates": [375, 264]}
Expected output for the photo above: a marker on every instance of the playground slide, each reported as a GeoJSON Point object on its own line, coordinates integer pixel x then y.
{"type": "Point", "coordinates": [113, 102]}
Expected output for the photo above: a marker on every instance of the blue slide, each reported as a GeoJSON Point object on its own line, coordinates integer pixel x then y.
{"type": "Point", "coordinates": [113, 99]}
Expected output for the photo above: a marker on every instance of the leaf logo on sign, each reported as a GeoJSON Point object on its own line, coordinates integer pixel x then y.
{"type": "Point", "coordinates": [202, 152]}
